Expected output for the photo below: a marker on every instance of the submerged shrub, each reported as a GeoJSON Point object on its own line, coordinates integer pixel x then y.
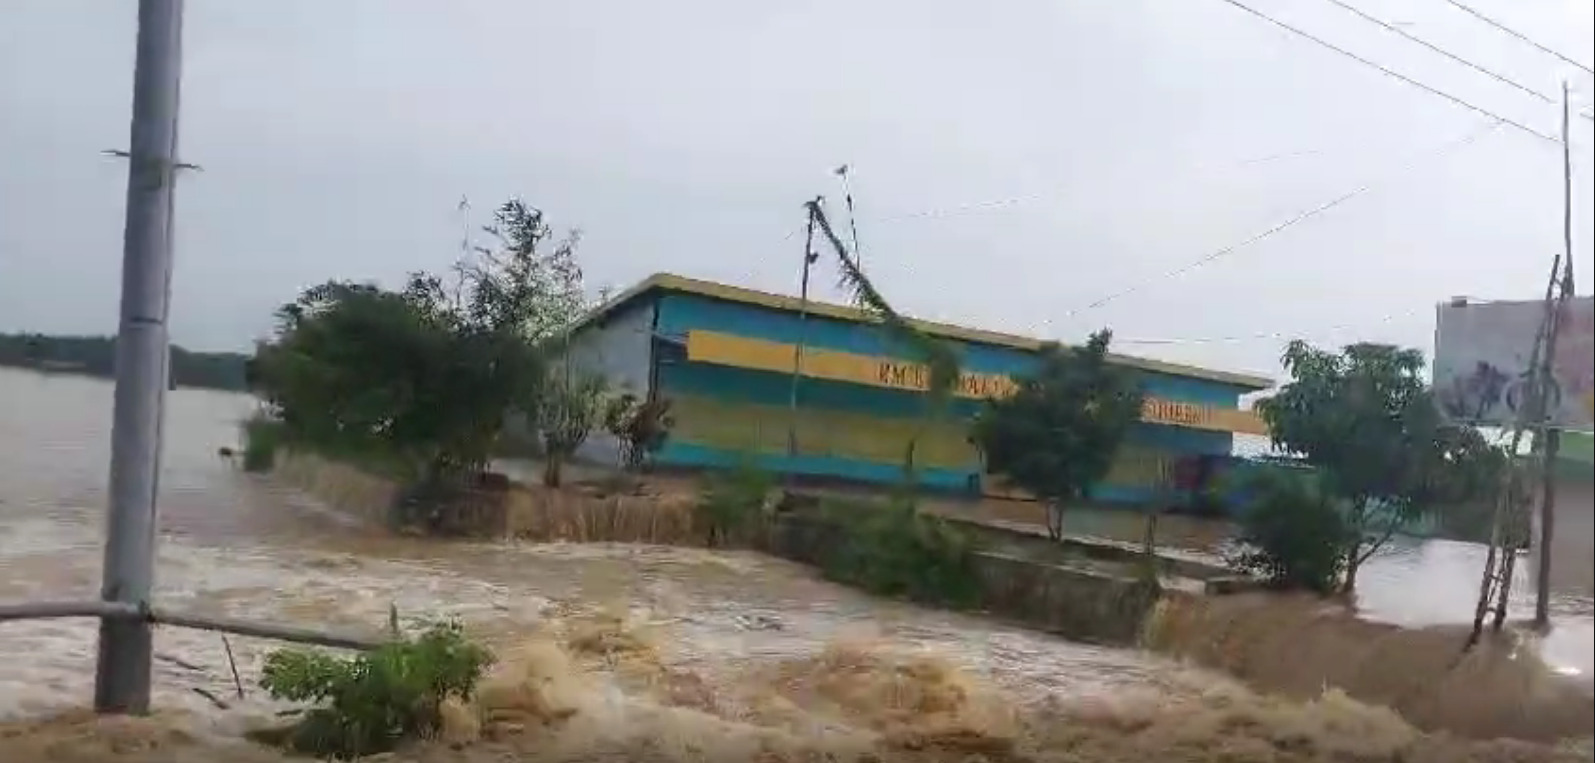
{"type": "Point", "coordinates": [731, 504]}
{"type": "Point", "coordinates": [263, 438]}
{"type": "Point", "coordinates": [891, 549]}
{"type": "Point", "coordinates": [1294, 535]}
{"type": "Point", "coordinates": [372, 702]}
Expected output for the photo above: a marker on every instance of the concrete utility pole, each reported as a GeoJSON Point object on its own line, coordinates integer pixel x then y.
{"type": "Point", "coordinates": [122, 677]}
{"type": "Point", "coordinates": [1553, 436]}
{"type": "Point", "coordinates": [809, 258]}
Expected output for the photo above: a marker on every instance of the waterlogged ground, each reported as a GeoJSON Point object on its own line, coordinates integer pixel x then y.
{"type": "Point", "coordinates": [608, 652]}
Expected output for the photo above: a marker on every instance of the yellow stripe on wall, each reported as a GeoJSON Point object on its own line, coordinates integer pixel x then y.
{"type": "Point", "coordinates": [752, 427]}
{"type": "Point", "coordinates": [891, 373]}
{"type": "Point", "coordinates": [756, 428]}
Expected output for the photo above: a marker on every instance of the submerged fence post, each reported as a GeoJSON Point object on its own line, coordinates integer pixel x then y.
{"type": "Point", "coordinates": [122, 676]}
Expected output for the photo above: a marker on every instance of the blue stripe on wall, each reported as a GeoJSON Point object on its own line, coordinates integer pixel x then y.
{"type": "Point", "coordinates": [733, 385]}
{"type": "Point", "coordinates": [680, 313]}
{"type": "Point", "coordinates": [692, 455]}
{"type": "Point", "coordinates": [689, 454]}
{"type": "Point", "coordinates": [745, 385]}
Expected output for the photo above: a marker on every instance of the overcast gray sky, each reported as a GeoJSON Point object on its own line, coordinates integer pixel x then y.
{"type": "Point", "coordinates": [1014, 162]}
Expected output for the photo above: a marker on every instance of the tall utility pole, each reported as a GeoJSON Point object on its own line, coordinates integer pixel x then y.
{"type": "Point", "coordinates": [1553, 436]}
{"type": "Point", "coordinates": [809, 258]}
{"type": "Point", "coordinates": [122, 677]}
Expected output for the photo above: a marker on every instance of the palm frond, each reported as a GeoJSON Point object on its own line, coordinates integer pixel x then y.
{"type": "Point", "coordinates": [938, 356]}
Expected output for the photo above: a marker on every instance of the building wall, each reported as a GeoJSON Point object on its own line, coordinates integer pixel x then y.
{"type": "Point", "coordinates": [853, 431]}
{"type": "Point", "coordinates": [1573, 547]}
{"type": "Point", "coordinates": [1573, 550]}
{"type": "Point", "coordinates": [617, 350]}
{"type": "Point", "coordinates": [679, 313]}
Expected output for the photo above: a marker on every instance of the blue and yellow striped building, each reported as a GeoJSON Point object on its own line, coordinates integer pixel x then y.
{"type": "Point", "coordinates": [724, 356]}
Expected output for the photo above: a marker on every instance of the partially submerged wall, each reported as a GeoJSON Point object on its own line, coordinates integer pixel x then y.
{"type": "Point", "coordinates": [1293, 646]}
{"type": "Point", "coordinates": [346, 489]}
{"type": "Point", "coordinates": [503, 509]}
{"type": "Point", "coordinates": [1081, 604]}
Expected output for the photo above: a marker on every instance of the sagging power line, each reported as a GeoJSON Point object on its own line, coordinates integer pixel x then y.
{"type": "Point", "coordinates": [1393, 29]}
{"type": "Point", "coordinates": [1469, 105]}
{"type": "Point", "coordinates": [1288, 223]}
{"type": "Point", "coordinates": [1518, 35]}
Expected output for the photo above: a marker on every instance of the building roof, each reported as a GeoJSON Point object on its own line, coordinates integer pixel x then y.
{"type": "Point", "coordinates": [713, 290]}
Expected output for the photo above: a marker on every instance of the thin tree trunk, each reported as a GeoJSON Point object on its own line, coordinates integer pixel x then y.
{"type": "Point", "coordinates": [1353, 564]}
{"type": "Point", "coordinates": [1354, 555]}
{"type": "Point", "coordinates": [552, 469]}
{"type": "Point", "coordinates": [1054, 520]}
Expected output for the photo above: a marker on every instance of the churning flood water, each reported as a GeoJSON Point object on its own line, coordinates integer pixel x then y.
{"type": "Point", "coordinates": [626, 653]}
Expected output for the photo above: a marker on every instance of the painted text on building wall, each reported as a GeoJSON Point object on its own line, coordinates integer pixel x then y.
{"type": "Point", "coordinates": [892, 373]}
{"type": "Point", "coordinates": [915, 376]}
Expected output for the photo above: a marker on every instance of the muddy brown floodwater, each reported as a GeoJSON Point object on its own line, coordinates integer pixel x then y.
{"type": "Point", "coordinates": [619, 653]}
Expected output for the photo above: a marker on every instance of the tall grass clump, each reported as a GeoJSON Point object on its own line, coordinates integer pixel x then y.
{"type": "Point", "coordinates": [373, 702]}
{"type": "Point", "coordinates": [889, 548]}
{"type": "Point", "coordinates": [263, 437]}
{"type": "Point", "coordinates": [731, 504]}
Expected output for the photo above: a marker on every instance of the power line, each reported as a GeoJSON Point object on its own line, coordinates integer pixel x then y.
{"type": "Point", "coordinates": [1299, 217]}
{"type": "Point", "coordinates": [1519, 35]}
{"type": "Point", "coordinates": [1391, 73]}
{"type": "Point", "coordinates": [972, 207]}
{"type": "Point", "coordinates": [1393, 29]}
{"type": "Point", "coordinates": [1271, 335]}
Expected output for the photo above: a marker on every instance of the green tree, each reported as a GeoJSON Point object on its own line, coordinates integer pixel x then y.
{"type": "Point", "coordinates": [569, 407]}
{"type": "Point", "coordinates": [96, 356]}
{"type": "Point", "coordinates": [1368, 422]}
{"type": "Point", "coordinates": [1057, 434]}
{"type": "Point", "coordinates": [422, 377]}
{"type": "Point", "coordinates": [530, 281]}
{"type": "Point", "coordinates": [1293, 532]}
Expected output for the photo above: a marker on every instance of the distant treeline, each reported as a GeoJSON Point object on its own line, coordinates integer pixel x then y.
{"type": "Point", "coordinates": [96, 356]}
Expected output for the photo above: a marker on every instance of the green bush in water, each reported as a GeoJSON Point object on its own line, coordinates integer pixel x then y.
{"type": "Point", "coordinates": [372, 702]}
{"type": "Point", "coordinates": [891, 549]}
{"type": "Point", "coordinates": [1294, 535]}
{"type": "Point", "coordinates": [730, 504]}
{"type": "Point", "coordinates": [263, 437]}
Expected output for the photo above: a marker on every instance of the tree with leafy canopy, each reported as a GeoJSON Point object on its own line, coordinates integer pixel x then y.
{"type": "Point", "coordinates": [567, 403]}
{"type": "Point", "coordinates": [422, 377]}
{"type": "Point", "coordinates": [940, 360]}
{"type": "Point", "coordinates": [1366, 419]}
{"type": "Point", "coordinates": [530, 279]}
{"type": "Point", "coordinates": [1057, 434]}
{"type": "Point", "coordinates": [1293, 534]}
